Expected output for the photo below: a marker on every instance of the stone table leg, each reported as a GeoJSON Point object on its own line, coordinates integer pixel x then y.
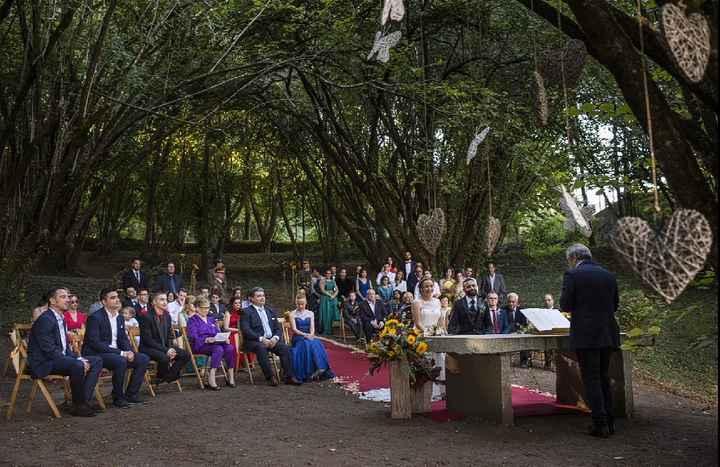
{"type": "Point", "coordinates": [479, 385]}
{"type": "Point", "coordinates": [570, 390]}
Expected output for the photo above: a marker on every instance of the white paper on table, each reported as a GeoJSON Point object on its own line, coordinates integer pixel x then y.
{"type": "Point", "coordinates": [546, 319]}
{"type": "Point", "coordinates": [222, 337]}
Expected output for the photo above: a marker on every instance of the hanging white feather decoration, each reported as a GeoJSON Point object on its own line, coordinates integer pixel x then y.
{"type": "Point", "coordinates": [383, 44]}
{"type": "Point", "coordinates": [393, 10]}
{"type": "Point", "coordinates": [477, 141]}
{"type": "Point", "coordinates": [575, 219]}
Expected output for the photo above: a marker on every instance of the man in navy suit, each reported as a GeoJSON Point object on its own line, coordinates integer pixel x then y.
{"type": "Point", "coordinates": [262, 333]}
{"type": "Point", "coordinates": [590, 295]}
{"type": "Point", "coordinates": [49, 353]}
{"type": "Point", "coordinates": [494, 319]}
{"type": "Point", "coordinates": [372, 314]}
{"type": "Point", "coordinates": [467, 316]}
{"type": "Point", "coordinates": [514, 320]}
{"type": "Point", "coordinates": [408, 266]}
{"type": "Point", "coordinates": [493, 281]}
{"type": "Point", "coordinates": [170, 281]}
{"type": "Point", "coordinates": [106, 337]}
{"type": "Point", "coordinates": [134, 277]}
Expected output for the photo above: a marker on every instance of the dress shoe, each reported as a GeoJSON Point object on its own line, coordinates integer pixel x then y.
{"type": "Point", "coordinates": [96, 407]}
{"type": "Point", "coordinates": [121, 404]}
{"type": "Point", "coordinates": [214, 388]}
{"type": "Point", "coordinates": [611, 425]}
{"type": "Point", "coordinates": [229, 384]}
{"type": "Point", "coordinates": [82, 410]}
{"type": "Point", "coordinates": [135, 400]}
{"type": "Point", "coordinates": [273, 381]}
{"type": "Point", "coordinates": [293, 381]}
{"type": "Point", "coordinates": [599, 431]}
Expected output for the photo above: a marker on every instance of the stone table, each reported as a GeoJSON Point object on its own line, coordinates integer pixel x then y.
{"type": "Point", "coordinates": [478, 373]}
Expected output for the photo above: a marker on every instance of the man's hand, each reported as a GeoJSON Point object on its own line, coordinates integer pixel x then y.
{"type": "Point", "coordinates": [273, 342]}
{"type": "Point", "coordinates": [171, 353]}
{"type": "Point", "coordinates": [86, 364]}
{"type": "Point", "coordinates": [130, 356]}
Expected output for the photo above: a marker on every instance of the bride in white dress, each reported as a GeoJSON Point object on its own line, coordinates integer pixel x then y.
{"type": "Point", "coordinates": [429, 318]}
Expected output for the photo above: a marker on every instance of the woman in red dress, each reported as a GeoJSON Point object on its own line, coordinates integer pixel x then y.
{"type": "Point", "coordinates": [232, 324]}
{"type": "Point", "coordinates": [74, 319]}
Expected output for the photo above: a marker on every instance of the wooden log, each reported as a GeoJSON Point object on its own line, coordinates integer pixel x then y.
{"type": "Point", "coordinates": [422, 398]}
{"type": "Point", "coordinates": [401, 395]}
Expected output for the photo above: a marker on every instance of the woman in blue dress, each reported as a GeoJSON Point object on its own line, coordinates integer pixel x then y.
{"type": "Point", "coordinates": [363, 284]}
{"type": "Point", "coordinates": [310, 362]}
{"type": "Point", "coordinates": [385, 290]}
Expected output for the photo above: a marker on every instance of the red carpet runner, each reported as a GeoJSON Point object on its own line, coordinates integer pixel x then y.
{"type": "Point", "coordinates": [351, 369]}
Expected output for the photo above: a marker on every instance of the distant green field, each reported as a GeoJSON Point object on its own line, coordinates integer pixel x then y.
{"type": "Point", "coordinates": [673, 362]}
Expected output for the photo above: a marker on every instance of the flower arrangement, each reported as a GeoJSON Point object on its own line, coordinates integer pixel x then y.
{"type": "Point", "coordinates": [397, 341]}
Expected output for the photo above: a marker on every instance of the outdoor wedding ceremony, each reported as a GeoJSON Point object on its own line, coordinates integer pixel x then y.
{"type": "Point", "coordinates": [359, 233]}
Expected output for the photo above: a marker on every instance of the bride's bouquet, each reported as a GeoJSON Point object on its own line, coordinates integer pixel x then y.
{"type": "Point", "coordinates": [397, 341]}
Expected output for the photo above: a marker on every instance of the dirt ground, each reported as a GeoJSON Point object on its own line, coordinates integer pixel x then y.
{"type": "Point", "coordinates": [321, 424]}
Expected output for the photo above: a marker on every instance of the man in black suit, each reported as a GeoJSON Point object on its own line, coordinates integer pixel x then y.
{"type": "Point", "coordinates": [493, 281]}
{"type": "Point", "coordinates": [49, 353]}
{"type": "Point", "coordinates": [351, 313]}
{"type": "Point", "coordinates": [514, 320]}
{"type": "Point", "coordinates": [262, 333]}
{"type": "Point", "coordinates": [143, 307]}
{"type": "Point", "coordinates": [106, 337]}
{"type": "Point", "coordinates": [467, 313]}
{"type": "Point", "coordinates": [217, 309]}
{"type": "Point", "coordinates": [408, 266]}
{"type": "Point", "coordinates": [134, 277]}
{"type": "Point", "coordinates": [373, 314]}
{"type": "Point", "coordinates": [414, 279]}
{"type": "Point", "coordinates": [156, 341]}
{"type": "Point", "coordinates": [170, 281]}
{"type": "Point", "coordinates": [131, 298]}
{"type": "Point", "coordinates": [590, 295]}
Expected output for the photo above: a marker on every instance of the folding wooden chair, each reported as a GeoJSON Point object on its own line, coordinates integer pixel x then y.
{"type": "Point", "coordinates": [151, 372]}
{"type": "Point", "coordinates": [199, 372]}
{"type": "Point", "coordinates": [248, 367]}
{"type": "Point", "coordinates": [15, 336]}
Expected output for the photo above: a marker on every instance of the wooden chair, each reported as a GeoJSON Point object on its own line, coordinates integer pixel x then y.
{"type": "Point", "coordinates": [151, 372]}
{"type": "Point", "coordinates": [199, 372]}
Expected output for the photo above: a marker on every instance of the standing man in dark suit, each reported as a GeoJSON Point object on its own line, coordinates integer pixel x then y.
{"type": "Point", "coordinates": [414, 279]}
{"type": "Point", "coordinates": [106, 337]}
{"type": "Point", "coordinates": [514, 320]}
{"type": "Point", "coordinates": [467, 313]}
{"type": "Point", "coordinates": [134, 277]}
{"type": "Point", "coordinates": [590, 295]}
{"type": "Point", "coordinates": [169, 281]}
{"type": "Point", "coordinates": [262, 333]}
{"type": "Point", "coordinates": [493, 281]}
{"type": "Point", "coordinates": [373, 314]}
{"type": "Point", "coordinates": [157, 341]}
{"type": "Point", "coordinates": [49, 353]}
{"type": "Point", "coordinates": [408, 267]}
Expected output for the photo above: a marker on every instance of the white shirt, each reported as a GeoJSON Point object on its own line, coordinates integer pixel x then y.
{"type": "Point", "coordinates": [402, 286]}
{"type": "Point", "coordinates": [493, 316]}
{"type": "Point", "coordinates": [61, 327]}
{"type": "Point", "coordinates": [113, 328]}
{"type": "Point", "coordinates": [468, 299]}
{"type": "Point", "coordinates": [381, 274]}
{"type": "Point", "coordinates": [492, 282]}
{"type": "Point", "coordinates": [174, 310]}
{"type": "Point", "coordinates": [436, 290]}
{"type": "Point", "coordinates": [408, 268]}
{"type": "Point", "coordinates": [265, 322]}
{"type": "Point", "coordinates": [131, 323]}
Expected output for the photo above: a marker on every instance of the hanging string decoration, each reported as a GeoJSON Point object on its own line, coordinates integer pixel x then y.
{"type": "Point", "coordinates": [570, 61]}
{"type": "Point", "coordinates": [492, 234]}
{"type": "Point", "coordinates": [689, 39]}
{"type": "Point", "coordinates": [383, 44]}
{"type": "Point", "coordinates": [575, 220]}
{"type": "Point", "coordinates": [477, 141]}
{"type": "Point", "coordinates": [393, 10]}
{"type": "Point", "coordinates": [669, 261]}
{"type": "Point", "coordinates": [588, 212]}
{"type": "Point", "coordinates": [431, 229]}
{"type": "Point", "coordinates": [540, 99]}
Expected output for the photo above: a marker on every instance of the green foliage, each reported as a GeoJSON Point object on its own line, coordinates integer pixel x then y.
{"type": "Point", "coordinates": [544, 234]}
{"type": "Point", "coordinates": [640, 318]}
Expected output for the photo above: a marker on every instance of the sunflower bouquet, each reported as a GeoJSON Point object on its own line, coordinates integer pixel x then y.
{"type": "Point", "coordinates": [398, 341]}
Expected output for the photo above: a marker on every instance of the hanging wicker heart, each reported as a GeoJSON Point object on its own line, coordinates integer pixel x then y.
{"type": "Point", "coordinates": [668, 262]}
{"type": "Point", "coordinates": [570, 62]}
{"type": "Point", "coordinates": [492, 234]}
{"type": "Point", "coordinates": [431, 229]}
{"type": "Point", "coordinates": [688, 38]}
{"type": "Point", "coordinates": [540, 99]}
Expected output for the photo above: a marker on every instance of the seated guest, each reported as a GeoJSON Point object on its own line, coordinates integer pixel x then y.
{"type": "Point", "coordinates": [106, 337]}
{"type": "Point", "coordinates": [201, 331]}
{"type": "Point", "coordinates": [386, 272]}
{"type": "Point", "coordinates": [170, 297]}
{"type": "Point", "coordinates": [373, 315]}
{"type": "Point", "coordinates": [404, 312]}
{"type": "Point", "coordinates": [217, 308]}
{"type": "Point", "coordinates": [37, 311]}
{"type": "Point", "coordinates": [143, 305]}
{"type": "Point", "coordinates": [394, 304]}
{"type": "Point", "coordinates": [128, 314]}
{"type": "Point", "coordinates": [170, 281]}
{"type": "Point", "coordinates": [385, 291]}
{"type": "Point", "coordinates": [205, 292]}
{"type": "Point", "coordinates": [548, 355]}
{"type": "Point", "coordinates": [74, 319]}
{"type": "Point", "coordinates": [175, 307]}
{"type": "Point", "coordinates": [459, 287]}
{"type": "Point", "coordinates": [514, 320]}
{"type": "Point", "coordinates": [400, 283]}
{"type": "Point", "coordinates": [231, 320]}
{"type": "Point", "coordinates": [188, 310]}
{"type": "Point", "coordinates": [345, 285]}
{"type": "Point", "coordinates": [49, 353]}
{"type": "Point", "coordinates": [351, 316]}
{"type": "Point", "coordinates": [493, 281]}
{"type": "Point", "coordinates": [130, 299]}
{"type": "Point", "coordinates": [445, 308]}
{"type": "Point", "coordinates": [549, 301]}
{"type": "Point", "coordinates": [310, 362]}
{"type": "Point", "coordinates": [467, 314]}
{"type": "Point", "coordinates": [157, 341]}
{"type": "Point", "coordinates": [262, 334]}
{"type": "Point", "coordinates": [495, 321]}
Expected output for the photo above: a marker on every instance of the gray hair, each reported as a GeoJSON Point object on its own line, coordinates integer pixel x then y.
{"type": "Point", "coordinates": [579, 252]}
{"type": "Point", "coordinates": [513, 295]}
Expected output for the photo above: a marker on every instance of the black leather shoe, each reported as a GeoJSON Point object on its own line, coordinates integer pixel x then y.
{"type": "Point", "coordinates": [96, 407]}
{"type": "Point", "coordinates": [82, 410]}
{"type": "Point", "coordinates": [121, 404]}
{"type": "Point", "coordinates": [611, 425]}
{"type": "Point", "coordinates": [599, 431]}
{"type": "Point", "coordinates": [293, 382]}
{"type": "Point", "coordinates": [214, 388]}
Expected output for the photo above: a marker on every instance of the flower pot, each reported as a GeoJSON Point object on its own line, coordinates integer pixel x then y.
{"type": "Point", "coordinates": [401, 395]}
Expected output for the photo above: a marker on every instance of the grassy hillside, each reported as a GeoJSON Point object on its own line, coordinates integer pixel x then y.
{"type": "Point", "coordinates": [684, 358]}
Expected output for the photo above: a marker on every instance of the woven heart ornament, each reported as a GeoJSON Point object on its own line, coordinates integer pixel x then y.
{"type": "Point", "coordinates": [568, 62]}
{"type": "Point", "coordinates": [431, 229]}
{"type": "Point", "coordinates": [668, 262]}
{"type": "Point", "coordinates": [540, 99]}
{"type": "Point", "coordinates": [689, 39]}
{"type": "Point", "coordinates": [492, 234]}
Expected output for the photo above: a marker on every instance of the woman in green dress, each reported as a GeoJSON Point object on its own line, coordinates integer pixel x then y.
{"type": "Point", "coordinates": [329, 310]}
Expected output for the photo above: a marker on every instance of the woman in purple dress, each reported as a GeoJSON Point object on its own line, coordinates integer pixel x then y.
{"type": "Point", "coordinates": [202, 331]}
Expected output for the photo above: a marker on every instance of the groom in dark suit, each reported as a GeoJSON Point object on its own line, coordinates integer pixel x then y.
{"type": "Point", "coordinates": [467, 315]}
{"type": "Point", "coordinates": [590, 295]}
{"type": "Point", "coordinates": [262, 333]}
{"type": "Point", "coordinates": [49, 353]}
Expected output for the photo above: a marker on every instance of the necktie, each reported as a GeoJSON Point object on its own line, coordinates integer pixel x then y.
{"type": "Point", "coordinates": [137, 276]}
{"type": "Point", "coordinates": [472, 305]}
{"type": "Point", "coordinates": [495, 322]}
